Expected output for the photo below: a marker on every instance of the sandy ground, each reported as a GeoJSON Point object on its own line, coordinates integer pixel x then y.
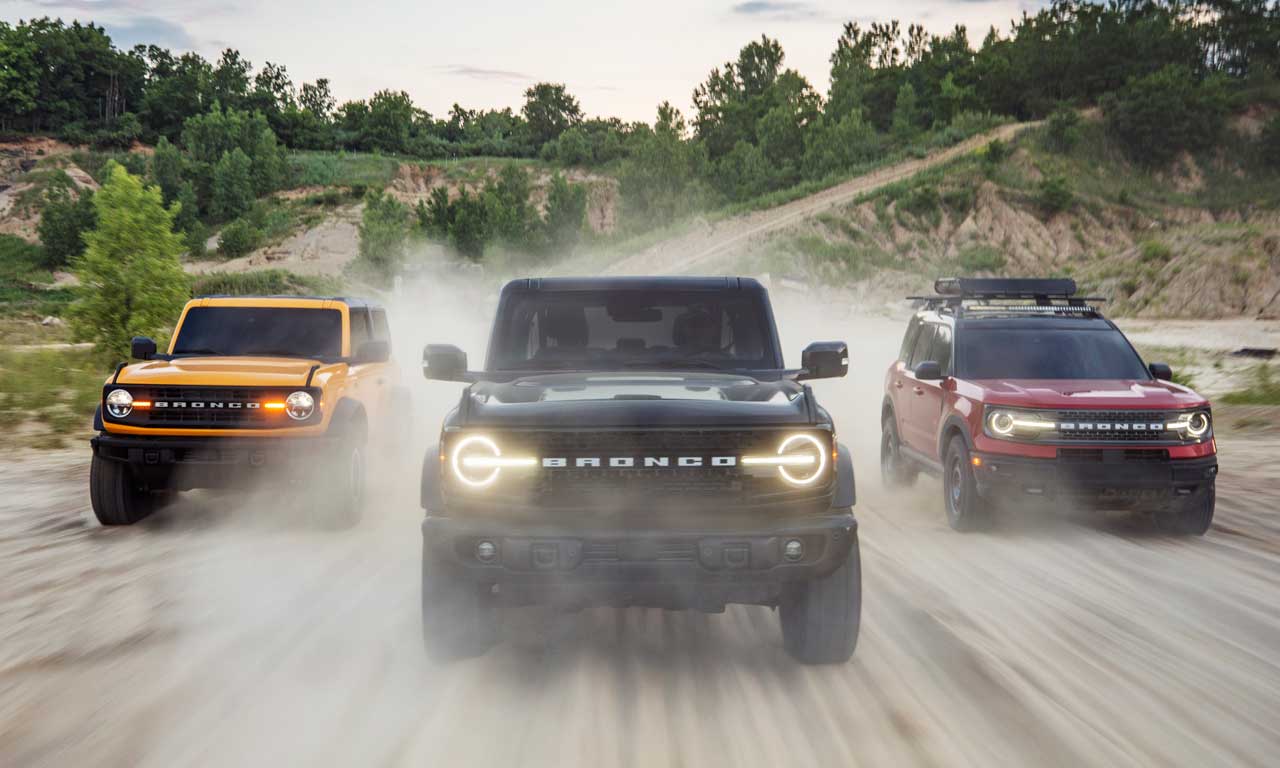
{"type": "Point", "coordinates": [223, 631]}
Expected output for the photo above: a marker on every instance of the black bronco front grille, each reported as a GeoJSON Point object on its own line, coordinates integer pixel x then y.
{"type": "Point", "coordinates": [1112, 426]}
{"type": "Point", "coordinates": [640, 491]}
{"type": "Point", "coordinates": [209, 407]}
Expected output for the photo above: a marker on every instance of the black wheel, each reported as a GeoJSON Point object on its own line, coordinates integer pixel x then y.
{"type": "Point", "coordinates": [966, 510]}
{"type": "Point", "coordinates": [459, 617]}
{"type": "Point", "coordinates": [1191, 517]}
{"type": "Point", "coordinates": [896, 470]}
{"type": "Point", "coordinates": [820, 620]}
{"type": "Point", "coordinates": [116, 496]}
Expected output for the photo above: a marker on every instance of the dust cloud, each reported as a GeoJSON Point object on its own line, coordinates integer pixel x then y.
{"type": "Point", "coordinates": [223, 631]}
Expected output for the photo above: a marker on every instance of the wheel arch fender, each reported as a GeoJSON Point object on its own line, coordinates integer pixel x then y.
{"type": "Point", "coordinates": [97, 419]}
{"type": "Point", "coordinates": [846, 493]}
{"type": "Point", "coordinates": [349, 417]}
{"type": "Point", "coordinates": [430, 496]}
{"type": "Point", "coordinates": [953, 425]}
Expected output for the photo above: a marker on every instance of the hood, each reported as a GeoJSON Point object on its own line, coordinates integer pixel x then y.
{"type": "Point", "coordinates": [1076, 394]}
{"type": "Point", "coordinates": [220, 371]}
{"type": "Point", "coordinates": [637, 400]}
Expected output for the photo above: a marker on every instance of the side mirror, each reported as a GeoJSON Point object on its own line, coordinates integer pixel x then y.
{"type": "Point", "coordinates": [142, 348]}
{"type": "Point", "coordinates": [1161, 371]}
{"type": "Point", "coordinates": [444, 362]}
{"type": "Point", "coordinates": [824, 360]}
{"type": "Point", "coordinates": [373, 352]}
{"type": "Point", "coordinates": [929, 370]}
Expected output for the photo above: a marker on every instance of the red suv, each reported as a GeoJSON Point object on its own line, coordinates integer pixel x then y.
{"type": "Point", "coordinates": [1018, 389]}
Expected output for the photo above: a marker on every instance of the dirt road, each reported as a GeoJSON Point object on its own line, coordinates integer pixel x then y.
{"type": "Point", "coordinates": [223, 632]}
{"type": "Point", "coordinates": [690, 252]}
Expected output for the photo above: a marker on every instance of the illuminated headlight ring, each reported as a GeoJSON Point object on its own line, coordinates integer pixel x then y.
{"type": "Point", "coordinates": [477, 461]}
{"type": "Point", "coordinates": [300, 405]}
{"type": "Point", "coordinates": [1193, 425]}
{"type": "Point", "coordinates": [789, 445]}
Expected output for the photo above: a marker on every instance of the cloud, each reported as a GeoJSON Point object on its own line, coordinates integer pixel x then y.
{"type": "Point", "coordinates": [482, 73]}
{"type": "Point", "coordinates": [779, 11]}
{"type": "Point", "coordinates": [149, 30]}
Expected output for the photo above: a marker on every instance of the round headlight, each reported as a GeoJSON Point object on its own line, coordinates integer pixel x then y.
{"type": "Point", "coordinates": [803, 446]}
{"type": "Point", "coordinates": [300, 406]}
{"type": "Point", "coordinates": [475, 447]}
{"type": "Point", "coordinates": [1001, 422]}
{"type": "Point", "coordinates": [119, 403]}
{"type": "Point", "coordinates": [1198, 424]}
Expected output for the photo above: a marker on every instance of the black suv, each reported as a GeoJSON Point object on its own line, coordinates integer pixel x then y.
{"type": "Point", "coordinates": [637, 441]}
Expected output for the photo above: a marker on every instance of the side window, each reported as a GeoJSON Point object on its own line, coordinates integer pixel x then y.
{"type": "Point", "coordinates": [924, 342]}
{"type": "Point", "coordinates": [359, 327]}
{"type": "Point", "coordinates": [942, 348]}
{"type": "Point", "coordinates": [909, 340]}
{"type": "Point", "coordinates": [380, 330]}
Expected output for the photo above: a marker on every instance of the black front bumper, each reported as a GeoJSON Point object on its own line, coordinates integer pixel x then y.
{"type": "Point", "coordinates": [699, 567]}
{"type": "Point", "coordinates": [1106, 475]}
{"type": "Point", "coordinates": [209, 462]}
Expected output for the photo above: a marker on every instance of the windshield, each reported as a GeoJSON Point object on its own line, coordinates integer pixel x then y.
{"type": "Point", "coordinates": [263, 331]}
{"type": "Point", "coordinates": [1047, 353]}
{"type": "Point", "coordinates": [630, 329]}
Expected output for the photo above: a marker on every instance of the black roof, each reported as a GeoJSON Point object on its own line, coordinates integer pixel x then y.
{"type": "Point", "coordinates": [633, 284]}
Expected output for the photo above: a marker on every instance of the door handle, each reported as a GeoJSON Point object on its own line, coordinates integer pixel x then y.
{"type": "Point", "coordinates": [898, 383]}
{"type": "Point", "coordinates": [917, 390]}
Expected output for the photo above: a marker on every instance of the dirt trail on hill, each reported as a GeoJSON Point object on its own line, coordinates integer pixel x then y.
{"type": "Point", "coordinates": [222, 631]}
{"type": "Point", "coordinates": [688, 252]}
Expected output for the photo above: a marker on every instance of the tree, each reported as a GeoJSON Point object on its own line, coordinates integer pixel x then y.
{"type": "Point", "coordinates": [850, 72]}
{"type": "Point", "coordinates": [166, 169]}
{"type": "Point", "coordinates": [508, 201]}
{"type": "Point", "coordinates": [743, 173]}
{"type": "Point", "coordinates": [1062, 129]}
{"type": "Point", "coordinates": [469, 228]}
{"type": "Point", "coordinates": [131, 283]}
{"type": "Point", "coordinates": [230, 80]}
{"type": "Point", "coordinates": [383, 232]}
{"type": "Point", "coordinates": [906, 113]}
{"type": "Point", "coordinates": [232, 186]}
{"type": "Point", "coordinates": [390, 120]}
{"type": "Point", "coordinates": [566, 213]}
{"type": "Point", "coordinates": [550, 110]}
{"type": "Point", "coordinates": [1157, 116]}
{"type": "Point", "coordinates": [64, 220]}
{"type": "Point", "coordinates": [831, 148]}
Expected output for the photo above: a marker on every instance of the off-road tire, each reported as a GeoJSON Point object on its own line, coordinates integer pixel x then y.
{"type": "Point", "coordinates": [1189, 517]}
{"type": "Point", "coordinates": [896, 470]}
{"type": "Point", "coordinates": [966, 510]}
{"type": "Point", "coordinates": [460, 618]}
{"type": "Point", "coordinates": [820, 619]}
{"type": "Point", "coordinates": [342, 487]}
{"type": "Point", "coordinates": [116, 496]}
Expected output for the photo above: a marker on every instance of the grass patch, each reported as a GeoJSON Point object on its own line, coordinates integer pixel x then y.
{"type": "Point", "coordinates": [980, 258]}
{"type": "Point", "coordinates": [26, 293]}
{"type": "Point", "coordinates": [265, 282]}
{"type": "Point", "coordinates": [1154, 251]}
{"type": "Point", "coordinates": [1263, 389]}
{"type": "Point", "coordinates": [341, 169]}
{"type": "Point", "coordinates": [48, 395]}
{"type": "Point", "coordinates": [840, 261]}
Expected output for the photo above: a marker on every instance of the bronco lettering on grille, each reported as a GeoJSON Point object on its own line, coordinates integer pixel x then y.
{"type": "Point", "coordinates": [639, 462]}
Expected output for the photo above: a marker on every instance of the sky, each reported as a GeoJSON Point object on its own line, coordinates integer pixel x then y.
{"type": "Point", "coordinates": [620, 59]}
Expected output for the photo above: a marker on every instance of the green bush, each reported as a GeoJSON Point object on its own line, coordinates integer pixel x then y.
{"type": "Point", "coordinates": [980, 258]}
{"type": "Point", "coordinates": [1169, 111]}
{"type": "Point", "coordinates": [1269, 143]}
{"type": "Point", "coordinates": [959, 200]}
{"type": "Point", "coordinates": [1263, 389]}
{"type": "Point", "coordinates": [384, 230]}
{"type": "Point", "coordinates": [232, 186]}
{"type": "Point", "coordinates": [1154, 250]}
{"type": "Point", "coordinates": [921, 201]}
{"type": "Point", "coordinates": [1054, 194]}
{"type": "Point", "coordinates": [64, 220]}
{"type": "Point", "coordinates": [997, 152]}
{"type": "Point", "coordinates": [238, 238]}
{"type": "Point", "coordinates": [266, 282]}
{"type": "Point", "coordinates": [1062, 130]}
{"type": "Point", "coordinates": [566, 213]}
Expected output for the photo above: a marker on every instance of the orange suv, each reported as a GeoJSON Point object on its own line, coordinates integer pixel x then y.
{"type": "Point", "coordinates": [250, 388]}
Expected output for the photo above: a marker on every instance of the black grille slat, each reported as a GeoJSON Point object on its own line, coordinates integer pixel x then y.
{"type": "Point", "coordinates": [233, 411]}
{"type": "Point", "coordinates": [1112, 417]}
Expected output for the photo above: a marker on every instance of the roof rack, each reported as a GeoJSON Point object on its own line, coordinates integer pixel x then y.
{"type": "Point", "coordinates": [990, 296]}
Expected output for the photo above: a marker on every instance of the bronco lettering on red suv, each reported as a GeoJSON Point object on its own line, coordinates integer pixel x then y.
{"type": "Point", "coordinates": [1018, 389]}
